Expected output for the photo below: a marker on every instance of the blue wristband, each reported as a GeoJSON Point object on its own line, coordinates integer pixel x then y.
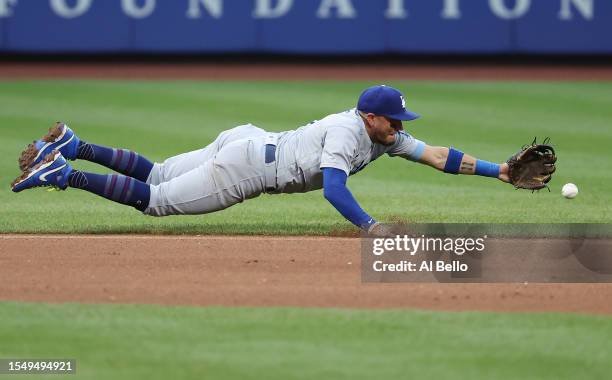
{"type": "Point", "coordinates": [453, 161]}
{"type": "Point", "coordinates": [487, 169]}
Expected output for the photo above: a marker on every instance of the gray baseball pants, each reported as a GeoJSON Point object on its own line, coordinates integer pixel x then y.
{"type": "Point", "coordinates": [226, 172]}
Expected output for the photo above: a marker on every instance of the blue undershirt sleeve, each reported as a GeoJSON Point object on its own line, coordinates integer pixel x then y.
{"type": "Point", "coordinates": [336, 192]}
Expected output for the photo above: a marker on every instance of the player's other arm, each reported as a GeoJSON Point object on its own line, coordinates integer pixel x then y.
{"type": "Point", "coordinates": [336, 193]}
{"type": "Point", "coordinates": [454, 161]}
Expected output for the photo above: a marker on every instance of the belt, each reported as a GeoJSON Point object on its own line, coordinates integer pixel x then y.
{"type": "Point", "coordinates": [270, 163]}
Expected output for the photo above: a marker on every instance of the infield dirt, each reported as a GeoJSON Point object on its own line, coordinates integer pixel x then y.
{"type": "Point", "coordinates": [248, 271]}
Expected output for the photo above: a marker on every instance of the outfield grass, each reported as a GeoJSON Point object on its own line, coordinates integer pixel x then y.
{"type": "Point", "coordinates": [490, 120]}
{"type": "Point", "coordinates": [153, 342]}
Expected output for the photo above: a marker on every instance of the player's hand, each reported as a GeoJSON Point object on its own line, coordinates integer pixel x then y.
{"type": "Point", "coordinates": [380, 230]}
{"type": "Point", "coordinates": [503, 173]}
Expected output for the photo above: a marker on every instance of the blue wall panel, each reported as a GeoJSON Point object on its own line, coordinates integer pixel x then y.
{"type": "Point", "coordinates": [105, 27]}
{"type": "Point", "coordinates": [542, 30]}
{"type": "Point", "coordinates": [301, 31]}
{"type": "Point", "coordinates": [35, 27]}
{"type": "Point", "coordinates": [169, 29]}
{"type": "Point", "coordinates": [2, 26]}
{"type": "Point", "coordinates": [425, 30]}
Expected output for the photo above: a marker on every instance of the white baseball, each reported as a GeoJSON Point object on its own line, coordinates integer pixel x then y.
{"type": "Point", "coordinates": [569, 191]}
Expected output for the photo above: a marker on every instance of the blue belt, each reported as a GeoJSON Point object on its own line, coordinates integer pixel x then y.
{"type": "Point", "coordinates": [270, 153]}
{"type": "Point", "coordinates": [270, 164]}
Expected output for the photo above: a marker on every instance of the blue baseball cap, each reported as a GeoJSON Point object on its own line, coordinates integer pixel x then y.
{"type": "Point", "coordinates": [385, 101]}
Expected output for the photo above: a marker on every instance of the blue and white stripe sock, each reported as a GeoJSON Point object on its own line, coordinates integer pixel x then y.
{"type": "Point", "coordinates": [119, 188]}
{"type": "Point", "coordinates": [120, 160]}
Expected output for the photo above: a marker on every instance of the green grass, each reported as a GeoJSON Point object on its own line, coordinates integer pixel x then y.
{"type": "Point", "coordinates": [153, 342]}
{"type": "Point", "coordinates": [490, 120]}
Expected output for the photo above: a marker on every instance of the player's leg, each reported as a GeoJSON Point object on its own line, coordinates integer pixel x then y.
{"type": "Point", "coordinates": [178, 165]}
{"type": "Point", "coordinates": [115, 187]}
{"type": "Point", "coordinates": [233, 175]}
{"type": "Point", "coordinates": [63, 139]}
{"type": "Point", "coordinates": [123, 161]}
{"type": "Point", "coordinates": [53, 170]}
{"type": "Point", "coordinates": [60, 137]}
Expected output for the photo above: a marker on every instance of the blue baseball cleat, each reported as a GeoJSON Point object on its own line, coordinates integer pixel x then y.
{"type": "Point", "coordinates": [60, 138]}
{"type": "Point", "coordinates": [52, 170]}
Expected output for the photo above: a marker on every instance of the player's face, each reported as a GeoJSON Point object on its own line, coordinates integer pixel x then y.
{"type": "Point", "coordinates": [385, 129]}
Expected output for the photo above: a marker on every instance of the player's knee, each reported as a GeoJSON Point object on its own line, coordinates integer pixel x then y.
{"type": "Point", "coordinates": [155, 212]}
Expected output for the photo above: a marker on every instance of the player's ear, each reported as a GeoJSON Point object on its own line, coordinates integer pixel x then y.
{"type": "Point", "coordinates": [368, 119]}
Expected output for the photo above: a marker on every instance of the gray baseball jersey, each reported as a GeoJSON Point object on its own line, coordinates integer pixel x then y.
{"type": "Point", "coordinates": [232, 168]}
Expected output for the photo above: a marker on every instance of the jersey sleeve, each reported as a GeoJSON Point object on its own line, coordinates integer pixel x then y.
{"type": "Point", "coordinates": [336, 192]}
{"type": "Point", "coordinates": [339, 147]}
{"type": "Point", "coordinates": [407, 147]}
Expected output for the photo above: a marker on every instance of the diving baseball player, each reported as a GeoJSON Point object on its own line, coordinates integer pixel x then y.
{"type": "Point", "coordinates": [246, 161]}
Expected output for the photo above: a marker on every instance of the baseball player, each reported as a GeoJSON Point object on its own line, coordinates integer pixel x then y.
{"type": "Point", "coordinates": [246, 161]}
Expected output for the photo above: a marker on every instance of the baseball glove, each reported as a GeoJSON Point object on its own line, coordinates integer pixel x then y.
{"type": "Point", "coordinates": [533, 166]}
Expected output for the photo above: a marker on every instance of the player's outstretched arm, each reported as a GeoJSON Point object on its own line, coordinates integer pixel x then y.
{"type": "Point", "coordinates": [453, 161]}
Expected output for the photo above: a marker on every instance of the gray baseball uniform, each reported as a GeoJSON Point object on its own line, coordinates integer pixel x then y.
{"type": "Point", "coordinates": [233, 167]}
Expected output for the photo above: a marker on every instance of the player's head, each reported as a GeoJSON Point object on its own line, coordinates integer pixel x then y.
{"type": "Point", "coordinates": [383, 108]}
